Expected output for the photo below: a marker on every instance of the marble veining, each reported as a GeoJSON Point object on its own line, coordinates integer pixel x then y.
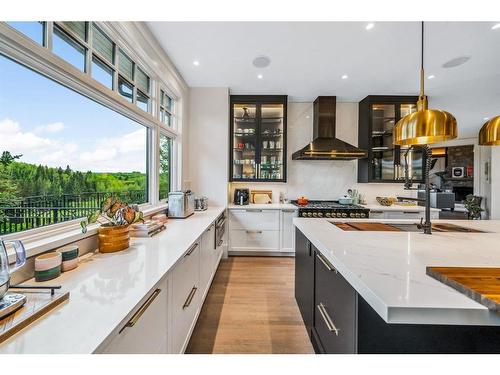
{"type": "Point", "coordinates": [388, 269]}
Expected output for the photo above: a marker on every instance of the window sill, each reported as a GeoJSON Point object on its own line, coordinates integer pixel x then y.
{"type": "Point", "coordinates": [40, 240]}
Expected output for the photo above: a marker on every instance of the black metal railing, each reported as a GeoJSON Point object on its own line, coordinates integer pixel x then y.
{"type": "Point", "coordinates": [38, 211]}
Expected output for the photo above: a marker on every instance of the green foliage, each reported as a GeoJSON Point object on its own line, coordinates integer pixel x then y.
{"type": "Point", "coordinates": [115, 213]}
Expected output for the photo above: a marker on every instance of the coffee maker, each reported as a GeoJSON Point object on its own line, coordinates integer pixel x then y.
{"type": "Point", "coordinates": [241, 197]}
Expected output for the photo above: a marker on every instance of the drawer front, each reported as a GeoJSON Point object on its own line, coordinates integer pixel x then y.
{"type": "Point", "coordinates": [376, 214]}
{"type": "Point", "coordinates": [334, 309]}
{"type": "Point", "coordinates": [254, 219]}
{"type": "Point", "coordinates": [185, 300]}
{"type": "Point", "coordinates": [146, 330]}
{"type": "Point", "coordinates": [254, 240]}
{"type": "Point", "coordinates": [405, 215]}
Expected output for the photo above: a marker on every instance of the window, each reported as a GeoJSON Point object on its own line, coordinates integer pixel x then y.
{"type": "Point", "coordinates": [165, 166]}
{"type": "Point", "coordinates": [142, 81]}
{"type": "Point", "coordinates": [62, 157]}
{"type": "Point", "coordinates": [166, 108]}
{"type": "Point", "coordinates": [33, 30]}
{"type": "Point", "coordinates": [102, 73]}
{"type": "Point", "coordinates": [79, 29]}
{"type": "Point", "coordinates": [68, 49]}
{"type": "Point", "coordinates": [125, 66]}
{"type": "Point", "coordinates": [102, 45]}
{"type": "Point", "coordinates": [125, 89]}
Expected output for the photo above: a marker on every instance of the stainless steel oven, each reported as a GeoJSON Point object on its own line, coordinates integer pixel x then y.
{"type": "Point", "coordinates": [220, 228]}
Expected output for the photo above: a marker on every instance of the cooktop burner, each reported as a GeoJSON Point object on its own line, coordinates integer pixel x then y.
{"type": "Point", "coordinates": [331, 209]}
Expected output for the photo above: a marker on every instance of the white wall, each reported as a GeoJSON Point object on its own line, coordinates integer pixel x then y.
{"type": "Point", "coordinates": [208, 143]}
{"type": "Point", "coordinates": [323, 179]}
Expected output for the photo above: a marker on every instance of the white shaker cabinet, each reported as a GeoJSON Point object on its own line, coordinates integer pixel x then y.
{"type": "Point", "coordinates": [287, 231]}
{"type": "Point", "coordinates": [145, 331]}
{"type": "Point", "coordinates": [261, 230]}
{"type": "Point", "coordinates": [186, 297]}
{"type": "Point", "coordinates": [207, 256]}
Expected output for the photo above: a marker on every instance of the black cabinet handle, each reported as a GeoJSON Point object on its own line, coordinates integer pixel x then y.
{"type": "Point", "coordinates": [191, 250]}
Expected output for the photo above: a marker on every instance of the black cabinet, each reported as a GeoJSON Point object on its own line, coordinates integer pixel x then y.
{"type": "Point", "coordinates": [378, 115]}
{"type": "Point", "coordinates": [257, 133]}
{"type": "Point", "coordinates": [334, 310]}
{"type": "Point", "coordinates": [304, 278]}
{"type": "Point", "coordinates": [340, 321]}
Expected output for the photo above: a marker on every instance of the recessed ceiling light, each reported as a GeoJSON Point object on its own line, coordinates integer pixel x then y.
{"type": "Point", "coordinates": [196, 63]}
{"type": "Point", "coordinates": [261, 61]}
{"type": "Point", "coordinates": [345, 76]}
{"type": "Point", "coordinates": [260, 76]}
{"type": "Point", "coordinates": [432, 76]}
{"type": "Point", "coordinates": [370, 26]}
{"type": "Point", "coordinates": [495, 26]}
{"type": "Point", "coordinates": [456, 61]}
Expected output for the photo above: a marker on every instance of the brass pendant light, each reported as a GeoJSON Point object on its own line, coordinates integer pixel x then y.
{"type": "Point", "coordinates": [489, 135]}
{"type": "Point", "coordinates": [425, 126]}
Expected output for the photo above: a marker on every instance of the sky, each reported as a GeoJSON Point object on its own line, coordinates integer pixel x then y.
{"type": "Point", "coordinates": [52, 125]}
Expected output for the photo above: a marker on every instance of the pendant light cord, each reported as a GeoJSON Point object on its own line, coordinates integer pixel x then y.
{"type": "Point", "coordinates": [422, 62]}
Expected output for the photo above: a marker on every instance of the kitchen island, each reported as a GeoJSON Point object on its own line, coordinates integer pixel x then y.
{"type": "Point", "coordinates": [381, 293]}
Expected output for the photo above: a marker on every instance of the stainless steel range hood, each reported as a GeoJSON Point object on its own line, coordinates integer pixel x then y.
{"type": "Point", "coordinates": [324, 145]}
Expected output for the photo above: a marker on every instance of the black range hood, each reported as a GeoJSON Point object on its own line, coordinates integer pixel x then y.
{"type": "Point", "coordinates": [324, 145]}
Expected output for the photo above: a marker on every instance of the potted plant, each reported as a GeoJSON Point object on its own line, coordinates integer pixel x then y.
{"type": "Point", "coordinates": [115, 218]}
{"type": "Point", "coordinates": [473, 206]}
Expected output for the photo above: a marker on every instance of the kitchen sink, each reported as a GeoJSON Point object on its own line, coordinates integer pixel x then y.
{"type": "Point", "coordinates": [401, 227]}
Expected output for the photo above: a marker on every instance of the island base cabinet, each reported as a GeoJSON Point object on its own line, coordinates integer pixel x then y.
{"type": "Point", "coordinates": [334, 328]}
{"type": "Point", "coordinates": [146, 330]}
{"type": "Point", "coordinates": [304, 278]}
{"type": "Point", "coordinates": [208, 253]}
{"type": "Point", "coordinates": [185, 301]}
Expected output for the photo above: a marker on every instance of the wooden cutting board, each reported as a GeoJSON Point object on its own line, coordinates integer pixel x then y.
{"type": "Point", "coordinates": [37, 304]}
{"type": "Point", "coordinates": [482, 284]}
{"type": "Point", "coordinates": [369, 227]}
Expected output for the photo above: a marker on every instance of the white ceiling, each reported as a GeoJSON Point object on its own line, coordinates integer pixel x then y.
{"type": "Point", "coordinates": [309, 58]}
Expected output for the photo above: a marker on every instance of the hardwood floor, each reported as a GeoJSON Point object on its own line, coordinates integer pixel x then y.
{"type": "Point", "coordinates": [251, 308]}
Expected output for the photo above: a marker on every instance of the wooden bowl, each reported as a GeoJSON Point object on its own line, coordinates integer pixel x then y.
{"type": "Point", "coordinates": [113, 238]}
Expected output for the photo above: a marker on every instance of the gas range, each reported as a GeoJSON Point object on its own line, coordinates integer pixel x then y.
{"type": "Point", "coordinates": [331, 209]}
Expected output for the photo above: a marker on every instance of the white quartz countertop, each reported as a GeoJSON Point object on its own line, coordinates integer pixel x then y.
{"type": "Point", "coordinates": [269, 206]}
{"type": "Point", "coordinates": [388, 268]}
{"type": "Point", "coordinates": [105, 288]}
{"type": "Point", "coordinates": [398, 208]}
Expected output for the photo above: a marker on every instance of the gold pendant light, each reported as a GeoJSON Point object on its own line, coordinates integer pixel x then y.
{"type": "Point", "coordinates": [425, 126]}
{"type": "Point", "coordinates": [489, 135]}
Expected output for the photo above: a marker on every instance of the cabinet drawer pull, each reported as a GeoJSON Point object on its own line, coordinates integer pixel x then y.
{"type": "Point", "coordinates": [376, 212]}
{"type": "Point", "coordinates": [328, 321]}
{"type": "Point", "coordinates": [210, 228]}
{"type": "Point", "coordinates": [135, 318]}
{"type": "Point", "coordinates": [190, 297]}
{"type": "Point", "coordinates": [288, 210]}
{"type": "Point", "coordinates": [327, 264]}
{"type": "Point", "coordinates": [254, 231]}
{"type": "Point", "coordinates": [190, 251]}
{"type": "Point", "coordinates": [411, 212]}
{"type": "Point", "coordinates": [254, 210]}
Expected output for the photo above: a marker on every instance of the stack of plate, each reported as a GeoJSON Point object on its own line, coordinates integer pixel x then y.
{"type": "Point", "coordinates": [47, 266]}
{"type": "Point", "coordinates": [69, 257]}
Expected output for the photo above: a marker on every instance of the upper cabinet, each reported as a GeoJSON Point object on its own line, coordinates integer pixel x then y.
{"type": "Point", "coordinates": [385, 162]}
{"type": "Point", "coordinates": [258, 138]}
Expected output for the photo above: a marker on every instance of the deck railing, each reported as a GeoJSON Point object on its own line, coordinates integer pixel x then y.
{"type": "Point", "coordinates": [37, 211]}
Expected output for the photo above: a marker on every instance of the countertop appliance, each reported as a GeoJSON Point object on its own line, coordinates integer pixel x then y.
{"type": "Point", "coordinates": [180, 204]}
{"type": "Point", "coordinates": [241, 197]}
{"type": "Point", "coordinates": [9, 302]}
{"type": "Point", "coordinates": [325, 145]}
{"type": "Point", "coordinates": [331, 209]}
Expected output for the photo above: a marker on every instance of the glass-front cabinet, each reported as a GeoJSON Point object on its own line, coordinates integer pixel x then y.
{"type": "Point", "coordinates": [258, 138]}
{"type": "Point", "coordinates": [385, 162]}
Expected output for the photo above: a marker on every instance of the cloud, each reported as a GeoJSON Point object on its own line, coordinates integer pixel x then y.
{"type": "Point", "coordinates": [123, 153]}
{"type": "Point", "coordinates": [50, 128]}
{"type": "Point", "coordinates": [13, 139]}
